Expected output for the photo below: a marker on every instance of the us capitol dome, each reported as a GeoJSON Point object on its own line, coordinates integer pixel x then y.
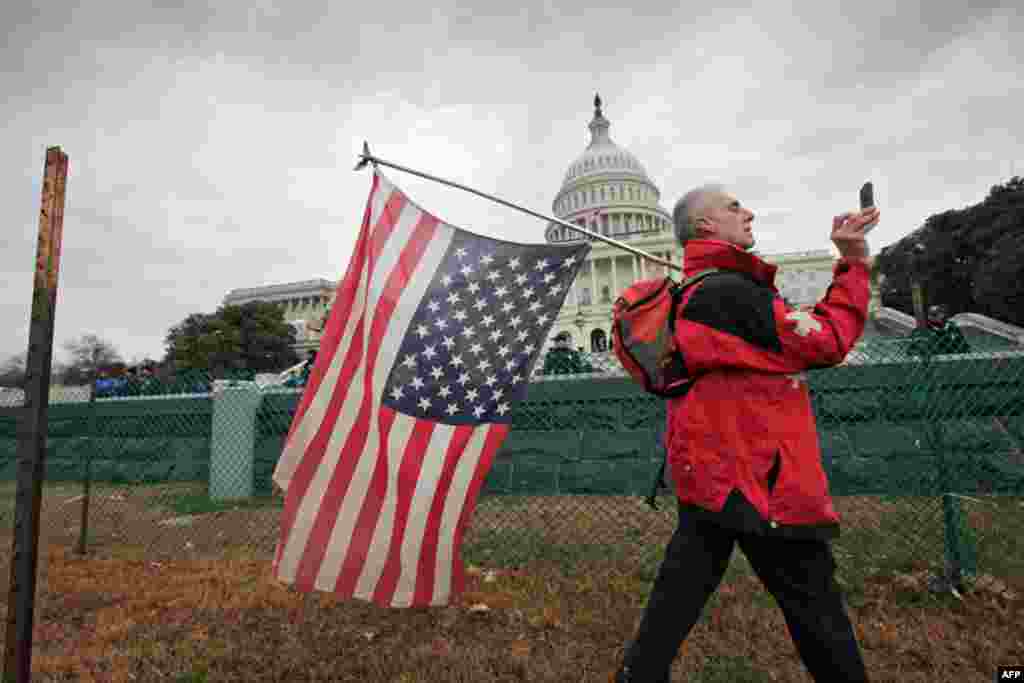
{"type": "Point", "coordinates": [607, 190]}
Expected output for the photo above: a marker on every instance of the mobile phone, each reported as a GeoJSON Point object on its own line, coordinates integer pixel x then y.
{"type": "Point", "coordinates": [867, 195]}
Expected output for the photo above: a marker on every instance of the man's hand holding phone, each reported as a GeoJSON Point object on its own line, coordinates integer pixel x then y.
{"type": "Point", "coordinates": [849, 230]}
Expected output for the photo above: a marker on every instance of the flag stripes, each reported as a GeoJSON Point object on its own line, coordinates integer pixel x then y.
{"type": "Point", "coordinates": [380, 489]}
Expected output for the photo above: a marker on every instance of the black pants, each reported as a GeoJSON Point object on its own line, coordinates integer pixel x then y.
{"type": "Point", "coordinates": [798, 573]}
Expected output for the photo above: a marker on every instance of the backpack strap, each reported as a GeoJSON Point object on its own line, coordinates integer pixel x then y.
{"type": "Point", "coordinates": [677, 293]}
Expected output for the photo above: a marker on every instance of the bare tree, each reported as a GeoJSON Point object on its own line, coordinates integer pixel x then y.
{"type": "Point", "coordinates": [89, 353]}
{"type": "Point", "coordinates": [13, 370]}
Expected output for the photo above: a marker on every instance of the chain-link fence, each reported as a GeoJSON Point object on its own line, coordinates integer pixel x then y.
{"type": "Point", "coordinates": [923, 450]}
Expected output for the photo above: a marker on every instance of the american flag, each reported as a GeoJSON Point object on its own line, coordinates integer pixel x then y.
{"type": "Point", "coordinates": [426, 351]}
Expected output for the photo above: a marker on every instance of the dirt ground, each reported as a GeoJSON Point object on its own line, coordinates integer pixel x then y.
{"type": "Point", "coordinates": [557, 586]}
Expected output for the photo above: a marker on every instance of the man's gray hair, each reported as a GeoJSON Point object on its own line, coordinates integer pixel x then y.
{"type": "Point", "coordinates": [683, 216]}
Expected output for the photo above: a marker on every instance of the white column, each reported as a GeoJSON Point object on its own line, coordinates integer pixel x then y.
{"type": "Point", "coordinates": [593, 280]}
{"type": "Point", "coordinates": [643, 268]}
{"type": "Point", "coordinates": [615, 279]}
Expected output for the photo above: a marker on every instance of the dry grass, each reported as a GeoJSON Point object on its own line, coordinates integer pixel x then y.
{"type": "Point", "coordinates": [563, 583]}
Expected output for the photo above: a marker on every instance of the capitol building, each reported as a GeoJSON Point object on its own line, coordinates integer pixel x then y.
{"type": "Point", "coordinates": [607, 190]}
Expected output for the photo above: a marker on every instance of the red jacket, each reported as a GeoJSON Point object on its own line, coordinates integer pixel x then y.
{"type": "Point", "coordinates": [746, 426]}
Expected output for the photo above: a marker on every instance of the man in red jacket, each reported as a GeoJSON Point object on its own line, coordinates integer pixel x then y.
{"type": "Point", "coordinates": [742, 443]}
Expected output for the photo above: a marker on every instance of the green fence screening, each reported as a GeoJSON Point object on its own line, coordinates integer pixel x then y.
{"type": "Point", "coordinates": [917, 443]}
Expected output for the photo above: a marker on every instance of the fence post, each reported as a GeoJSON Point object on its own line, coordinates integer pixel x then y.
{"type": "Point", "coordinates": [33, 423]}
{"type": "Point", "coordinates": [233, 445]}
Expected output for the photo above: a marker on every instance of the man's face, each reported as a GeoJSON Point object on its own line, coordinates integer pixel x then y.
{"type": "Point", "coordinates": [721, 217]}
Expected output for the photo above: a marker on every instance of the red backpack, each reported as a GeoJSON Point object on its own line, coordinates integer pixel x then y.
{"type": "Point", "coordinates": [643, 321]}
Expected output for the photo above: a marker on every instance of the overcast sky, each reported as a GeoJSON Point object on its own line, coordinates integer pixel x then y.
{"type": "Point", "coordinates": [211, 145]}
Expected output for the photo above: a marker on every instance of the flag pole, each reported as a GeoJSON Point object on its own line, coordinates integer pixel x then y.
{"type": "Point", "coordinates": [366, 158]}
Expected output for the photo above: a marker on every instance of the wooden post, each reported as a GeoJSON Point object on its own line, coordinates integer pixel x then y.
{"type": "Point", "coordinates": [33, 423]}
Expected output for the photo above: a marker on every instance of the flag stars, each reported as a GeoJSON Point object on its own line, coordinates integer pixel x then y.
{"type": "Point", "coordinates": [507, 306]}
{"type": "Point", "coordinates": [502, 408]}
{"type": "Point", "coordinates": [424, 404]}
{"type": "Point", "coordinates": [468, 331]}
{"type": "Point", "coordinates": [452, 408]}
{"type": "Point", "coordinates": [521, 279]}
{"type": "Point", "coordinates": [483, 365]}
{"type": "Point", "coordinates": [410, 361]}
{"type": "Point", "coordinates": [510, 366]}
{"type": "Point", "coordinates": [434, 306]}
{"type": "Point", "coordinates": [416, 383]}
{"type": "Point", "coordinates": [522, 335]}
{"type": "Point", "coordinates": [463, 379]}
{"type": "Point", "coordinates": [448, 343]}
{"type": "Point", "coordinates": [476, 349]}
{"type": "Point", "coordinates": [446, 280]}
{"type": "Point", "coordinates": [487, 259]}
{"type": "Point", "coordinates": [548, 277]}
{"type": "Point", "coordinates": [541, 265]}
{"type": "Point", "coordinates": [513, 263]}
{"type": "Point", "coordinates": [480, 304]}
{"type": "Point", "coordinates": [397, 393]}
{"type": "Point", "coordinates": [515, 322]}
{"type": "Point", "coordinates": [528, 349]}
{"type": "Point", "coordinates": [478, 411]}
{"type": "Point", "coordinates": [534, 306]}
{"type": "Point", "coordinates": [493, 275]}
{"type": "Point", "coordinates": [429, 352]}
{"type": "Point", "coordinates": [456, 360]}
{"type": "Point", "coordinates": [472, 395]}
{"type": "Point", "coordinates": [441, 323]}
{"type": "Point", "coordinates": [422, 331]}
{"type": "Point", "coordinates": [445, 391]}
{"type": "Point", "coordinates": [487, 320]}
{"type": "Point", "coordinates": [501, 291]}
{"type": "Point", "coordinates": [527, 293]}
{"type": "Point", "coordinates": [436, 372]}
{"type": "Point", "coordinates": [568, 263]}
{"type": "Point", "coordinates": [497, 394]}
{"type": "Point", "coordinates": [555, 289]}
{"type": "Point", "coordinates": [459, 315]}
{"type": "Point", "coordinates": [466, 270]}
{"type": "Point", "coordinates": [503, 350]}
{"type": "Point", "coordinates": [474, 287]}
{"type": "Point", "coordinates": [542, 318]}
{"type": "Point", "coordinates": [453, 298]}
{"type": "Point", "coordinates": [495, 336]}
{"type": "Point", "coordinates": [461, 253]}
{"type": "Point", "coordinates": [491, 380]}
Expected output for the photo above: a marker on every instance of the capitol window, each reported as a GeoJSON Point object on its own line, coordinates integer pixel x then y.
{"type": "Point", "coordinates": [585, 296]}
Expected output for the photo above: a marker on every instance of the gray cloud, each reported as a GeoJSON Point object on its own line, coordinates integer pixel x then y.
{"type": "Point", "coordinates": [211, 145]}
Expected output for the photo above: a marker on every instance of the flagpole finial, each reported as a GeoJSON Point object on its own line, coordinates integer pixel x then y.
{"type": "Point", "coordinates": [364, 158]}
{"type": "Point", "coordinates": [597, 104]}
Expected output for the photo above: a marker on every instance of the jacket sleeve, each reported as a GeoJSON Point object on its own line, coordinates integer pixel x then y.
{"type": "Point", "coordinates": [730, 321]}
